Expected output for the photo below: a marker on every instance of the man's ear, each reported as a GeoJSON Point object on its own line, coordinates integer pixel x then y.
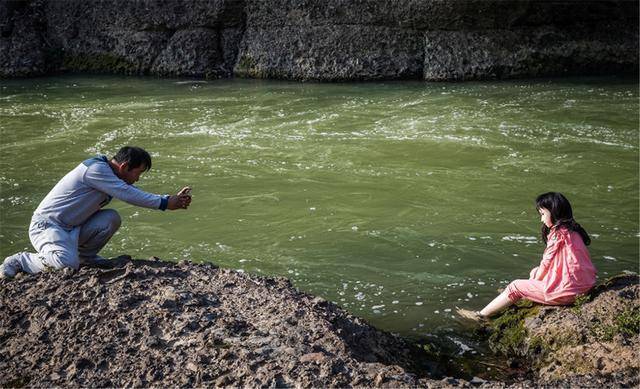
{"type": "Point", "coordinates": [124, 167]}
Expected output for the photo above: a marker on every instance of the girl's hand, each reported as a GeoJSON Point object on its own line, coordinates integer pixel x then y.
{"type": "Point", "coordinates": [534, 271]}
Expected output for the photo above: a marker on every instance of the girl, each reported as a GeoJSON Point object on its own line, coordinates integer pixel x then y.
{"type": "Point", "coordinates": [565, 270]}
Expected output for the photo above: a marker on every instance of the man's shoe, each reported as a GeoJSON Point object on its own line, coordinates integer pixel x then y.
{"type": "Point", "coordinates": [11, 266]}
{"type": "Point", "coordinates": [96, 261]}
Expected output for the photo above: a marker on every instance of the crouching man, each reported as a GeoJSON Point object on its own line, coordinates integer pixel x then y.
{"type": "Point", "coordinates": [69, 227]}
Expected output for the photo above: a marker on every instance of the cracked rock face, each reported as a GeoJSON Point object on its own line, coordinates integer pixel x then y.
{"type": "Point", "coordinates": [333, 40]}
{"type": "Point", "coordinates": [194, 38]}
{"type": "Point", "coordinates": [152, 323]}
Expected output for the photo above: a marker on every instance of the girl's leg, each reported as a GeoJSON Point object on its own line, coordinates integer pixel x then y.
{"type": "Point", "coordinates": [530, 289]}
{"type": "Point", "coordinates": [498, 304]}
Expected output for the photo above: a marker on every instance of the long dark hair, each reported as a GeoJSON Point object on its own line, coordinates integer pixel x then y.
{"type": "Point", "coordinates": [561, 215]}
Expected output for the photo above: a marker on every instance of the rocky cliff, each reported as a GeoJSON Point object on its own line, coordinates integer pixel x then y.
{"type": "Point", "coordinates": [331, 40]}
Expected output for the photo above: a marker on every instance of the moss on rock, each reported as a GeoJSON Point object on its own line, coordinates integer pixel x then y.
{"type": "Point", "coordinates": [508, 333]}
{"type": "Point", "coordinates": [247, 68]}
{"type": "Point", "coordinates": [101, 62]}
{"type": "Point", "coordinates": [598, 336]}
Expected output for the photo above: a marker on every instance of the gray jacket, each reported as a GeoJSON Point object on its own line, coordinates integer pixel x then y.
{"type": "Point", "coordinates": [88, 188]}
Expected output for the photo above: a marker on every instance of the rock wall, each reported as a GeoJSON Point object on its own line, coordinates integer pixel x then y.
{"type": "Point", "coordinates": [22, 48]}
{"type": "Point", "coordinates": [338, 40]}
{"type": "Point", "coordinates": [332, 40]}
{"type": "Point", "coordinates": [193, 38]}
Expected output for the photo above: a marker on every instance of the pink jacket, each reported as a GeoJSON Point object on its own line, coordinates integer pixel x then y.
{"type": "Point", "coordinates": [566, 269]}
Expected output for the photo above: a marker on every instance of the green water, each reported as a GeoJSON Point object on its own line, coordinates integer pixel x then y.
{"type": "Point", "coordinates": [398, 201]}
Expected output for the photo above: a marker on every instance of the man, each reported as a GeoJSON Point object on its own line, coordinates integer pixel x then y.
{"type": "Point", "coordinates": [69, 227]}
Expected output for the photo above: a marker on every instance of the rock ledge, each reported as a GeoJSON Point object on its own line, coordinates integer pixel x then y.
{"type": "Point", "coordinates": [594, 342]}
{"type": "Point", "coordinates": [151, 323]}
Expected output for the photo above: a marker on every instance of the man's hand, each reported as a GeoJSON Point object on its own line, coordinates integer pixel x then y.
{"type": "Point", "coordinates": [182, 200]}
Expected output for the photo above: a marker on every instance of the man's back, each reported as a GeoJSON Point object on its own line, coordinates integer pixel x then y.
{"type": "Point", "coordinates": [85, 190]}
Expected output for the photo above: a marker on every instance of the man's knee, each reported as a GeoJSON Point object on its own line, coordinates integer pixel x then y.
{"type": "Point", "coordinates": [113, 220]}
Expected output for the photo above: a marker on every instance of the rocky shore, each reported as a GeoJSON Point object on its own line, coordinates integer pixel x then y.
{"type": "Point", "coordinates": [334, 40]}
{"type": "Point", "coordinates": [595, 342]}
{"type": "Point", "coordinates": [152, 323]}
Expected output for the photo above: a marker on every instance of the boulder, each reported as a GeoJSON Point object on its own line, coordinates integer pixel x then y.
{"type": "Point", "coordinates": [594, 342]}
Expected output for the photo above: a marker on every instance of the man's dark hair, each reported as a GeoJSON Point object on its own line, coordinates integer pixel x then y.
{"type": "Point", "coordinates": [134, 157]}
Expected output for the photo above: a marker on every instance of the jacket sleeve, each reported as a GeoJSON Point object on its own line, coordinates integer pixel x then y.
{"type": "Point", "coordinates": [554, 242]}
{"type": "Point", "coordinates": [100, 176]}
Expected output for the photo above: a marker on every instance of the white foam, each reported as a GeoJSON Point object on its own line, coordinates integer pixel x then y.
{"type": "Point", "coordinates": [463, 347]}
{"type": "Point", "coordinates": [520, 238]}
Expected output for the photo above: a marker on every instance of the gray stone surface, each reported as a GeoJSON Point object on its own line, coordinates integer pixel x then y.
{"type": "Point", "coordinates": [148, 323]}
{"type": "Point", "coordinates": [194, 53]}
{"type": "Point", "coordinates": [144, 37]}
{"type": "Point", "coordinates": [531, 52]}
{"type": "Point", "coordinates": [22, 50]}
{"type": "Point", "coordinates": [330, 53]}
{"type": "Point", "coordinates": [332, 40]}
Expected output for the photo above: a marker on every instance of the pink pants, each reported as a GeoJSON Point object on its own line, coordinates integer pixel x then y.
{"type": "Point", "coordinates": [534, 290]}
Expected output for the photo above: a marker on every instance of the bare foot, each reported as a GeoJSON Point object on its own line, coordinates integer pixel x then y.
{"type": "Point", "coordinates": [470, 315]}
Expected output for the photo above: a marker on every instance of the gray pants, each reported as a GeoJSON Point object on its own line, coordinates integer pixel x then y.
{"type": "Point", "coordinates": [59, 247]}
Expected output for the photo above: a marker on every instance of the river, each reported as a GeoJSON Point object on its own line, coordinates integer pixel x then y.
{"type": "Point", "coordinates": [399, 201]}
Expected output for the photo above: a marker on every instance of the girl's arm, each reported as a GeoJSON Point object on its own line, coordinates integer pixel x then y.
{"type": "Point", "coordinates": [532, 274]}
{"type": "Point", "coordinates": [553, 244]}
{"type": "Point", "coordinates": [542, 269]}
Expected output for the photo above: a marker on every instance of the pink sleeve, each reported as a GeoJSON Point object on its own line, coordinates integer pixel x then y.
{"type": "Point", "coordinates": [554, 242]}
